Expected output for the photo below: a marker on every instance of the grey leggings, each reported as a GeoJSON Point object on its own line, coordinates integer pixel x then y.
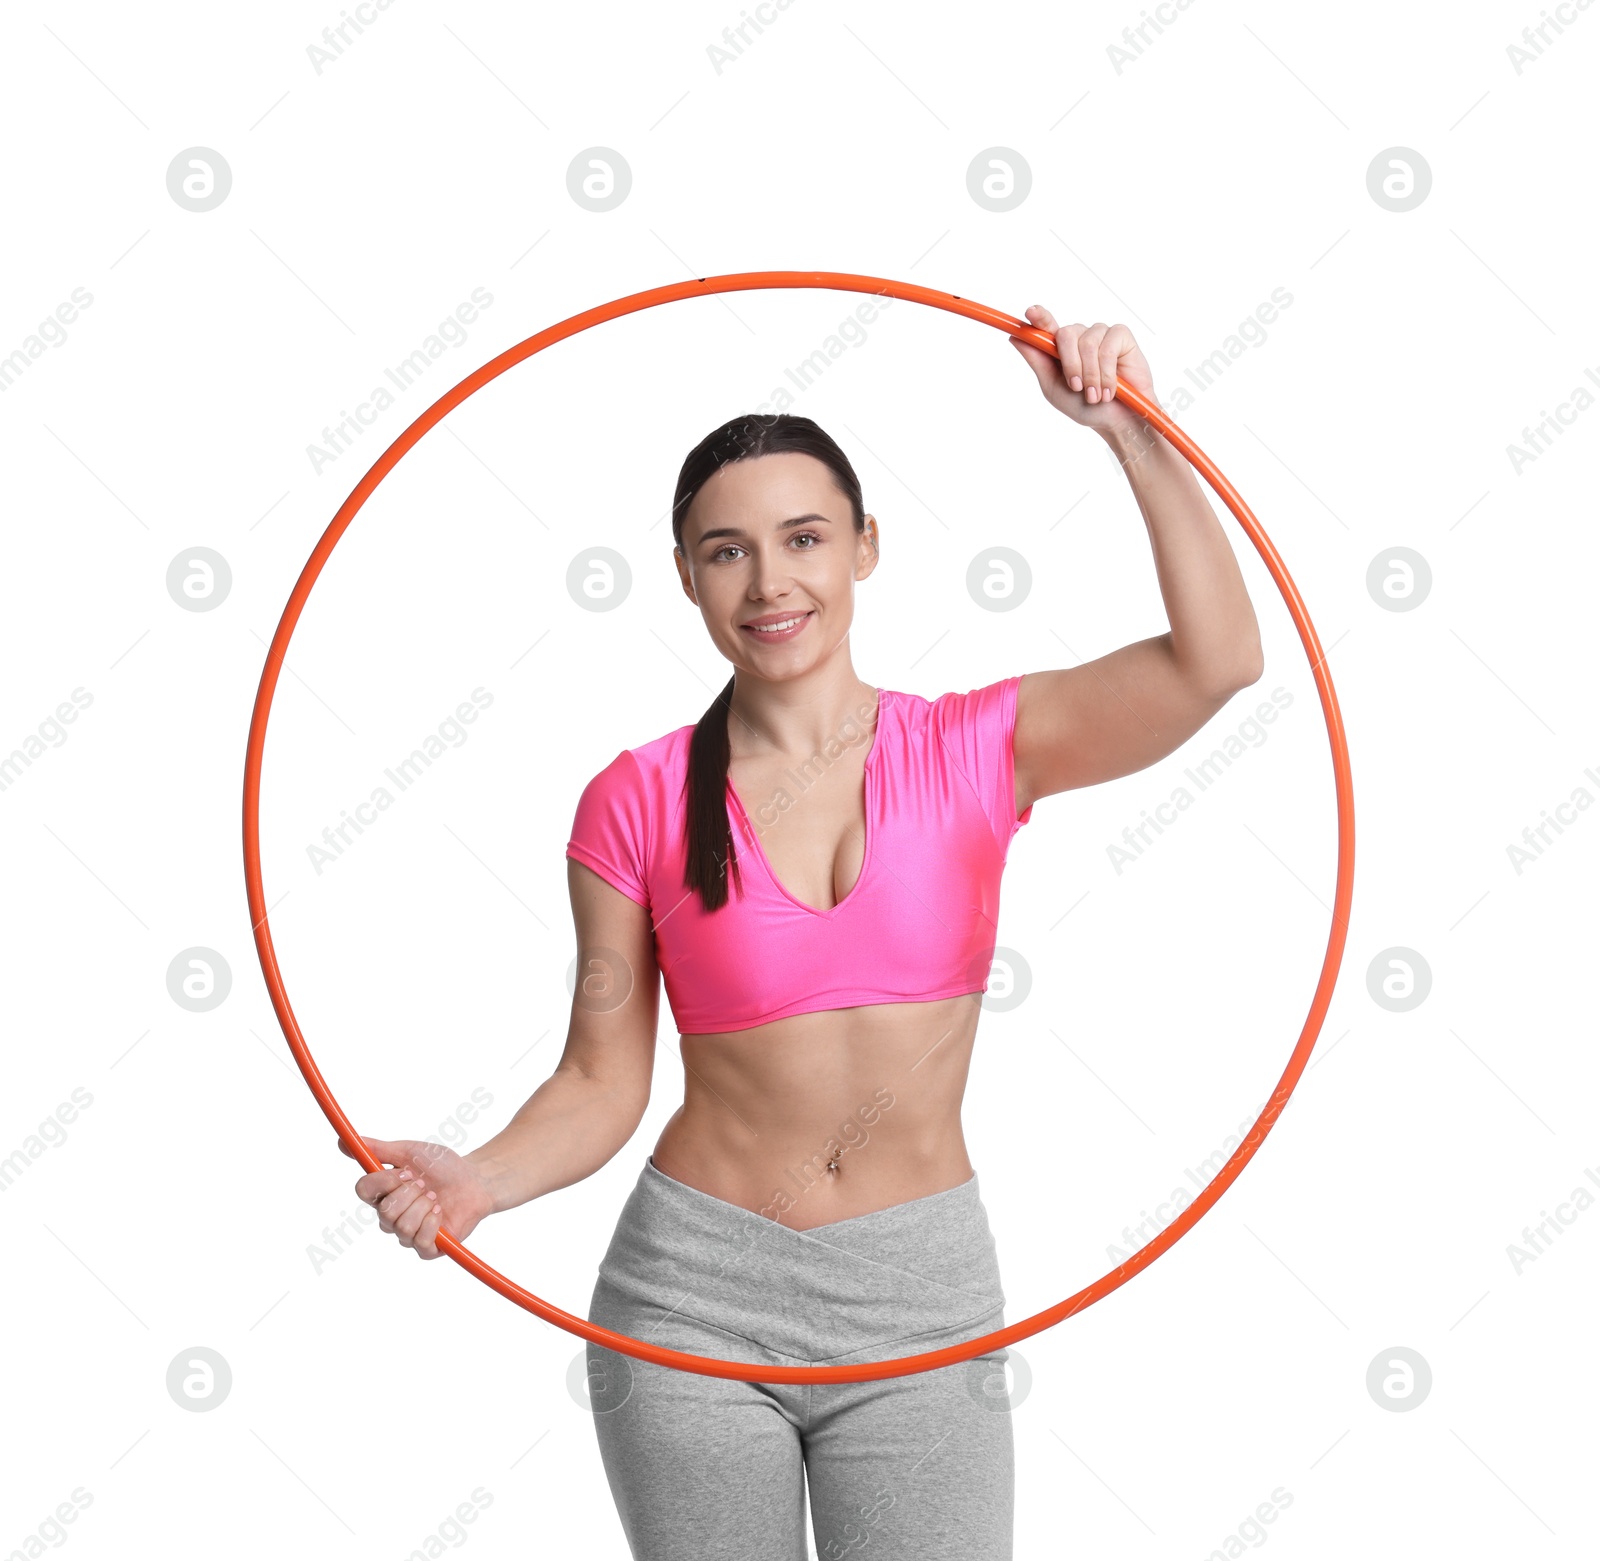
{"type": "Point", "coordinates": [704, 1467]}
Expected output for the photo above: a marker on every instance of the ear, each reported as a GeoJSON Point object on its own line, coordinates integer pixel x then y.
{"type": "Point", "coordinates": [869, 540]}
{"type": "Point", "coordinates": [683, 573]}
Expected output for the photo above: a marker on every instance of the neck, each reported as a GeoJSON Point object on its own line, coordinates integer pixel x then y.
{"type": "Point", "coordinates": [800, 716]}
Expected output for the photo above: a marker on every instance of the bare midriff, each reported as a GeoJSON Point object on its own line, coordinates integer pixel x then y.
{"type": "Point", "coordinates": [823, 1116]}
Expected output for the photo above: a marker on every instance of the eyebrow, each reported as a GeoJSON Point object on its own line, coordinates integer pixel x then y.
{"type": "Point", "coordinates": [783, 525]}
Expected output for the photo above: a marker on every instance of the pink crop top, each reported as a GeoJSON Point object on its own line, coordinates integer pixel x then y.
{"type": "Point", "coordinates": [918, 924]}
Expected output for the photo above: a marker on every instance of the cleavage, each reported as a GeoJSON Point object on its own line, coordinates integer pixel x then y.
{"type": "Point", "coordinates": [811, 829]}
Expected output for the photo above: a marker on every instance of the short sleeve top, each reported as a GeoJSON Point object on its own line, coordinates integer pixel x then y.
{"type": "Point", "coordinates": [919, 922]}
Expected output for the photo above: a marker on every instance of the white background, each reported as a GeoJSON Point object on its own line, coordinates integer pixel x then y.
{"type": "Point", "coordinates": [373, 1394]}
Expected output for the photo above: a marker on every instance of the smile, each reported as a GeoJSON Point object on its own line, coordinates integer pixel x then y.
{"type": "Point", "coordinates": [778, 631]}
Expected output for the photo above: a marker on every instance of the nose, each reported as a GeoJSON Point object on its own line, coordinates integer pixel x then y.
{"type": "Point", "coordinates": [771, 578]}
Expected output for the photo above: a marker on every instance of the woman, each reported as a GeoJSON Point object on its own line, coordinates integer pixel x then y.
{"type": "Point", "coordinates": [814, 869]}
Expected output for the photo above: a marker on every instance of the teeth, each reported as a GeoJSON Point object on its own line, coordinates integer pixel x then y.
{"type": "Point", "coordinates": [774, 628]}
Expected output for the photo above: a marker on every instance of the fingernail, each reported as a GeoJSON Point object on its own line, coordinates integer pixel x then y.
{"type": "Point", "coordinates": [405, 1176]}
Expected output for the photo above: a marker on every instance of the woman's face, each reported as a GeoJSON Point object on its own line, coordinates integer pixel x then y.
{"type": "Point", "coordinates": [766, 540]}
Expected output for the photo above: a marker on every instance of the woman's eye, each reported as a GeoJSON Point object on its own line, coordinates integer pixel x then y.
{"type": "Point", "coordinates": [733, 547]}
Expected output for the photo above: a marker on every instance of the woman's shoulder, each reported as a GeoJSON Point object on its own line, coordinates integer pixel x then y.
{"type": "Point", "coordinates": [657, 767]}
{"type": "Point", "coordinates": [668, 752]}
{"type": "Point", "coordinates": [957, 708]}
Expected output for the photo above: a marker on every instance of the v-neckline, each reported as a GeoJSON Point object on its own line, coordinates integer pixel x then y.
{"type": "Point", "coordinates": [866, 824]}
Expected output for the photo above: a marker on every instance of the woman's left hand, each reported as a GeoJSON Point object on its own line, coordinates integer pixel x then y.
{"type": "Point", "coordinates": [1083, 380]}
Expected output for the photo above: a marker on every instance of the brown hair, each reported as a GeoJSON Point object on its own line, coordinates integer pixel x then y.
{"type": "Point", "coordinates": [707, 827]}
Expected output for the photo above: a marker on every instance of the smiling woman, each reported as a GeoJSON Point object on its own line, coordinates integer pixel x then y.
{"type": "Point", "coordinates": [826, 975]}
{"type": "Point", "coordinates": [851, 953]}
{"type": "Point", "coordinates": [822, 969]}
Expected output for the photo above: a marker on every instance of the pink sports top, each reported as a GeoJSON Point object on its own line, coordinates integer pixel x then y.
{"type": "Point", "coordinates": [918, 924]}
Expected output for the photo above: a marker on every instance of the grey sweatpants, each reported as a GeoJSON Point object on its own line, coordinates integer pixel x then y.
{"type": "Point", "coordinates": [704, 1467]}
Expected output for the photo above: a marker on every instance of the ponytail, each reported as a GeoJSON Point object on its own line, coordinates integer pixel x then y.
{"type": "Point", "coordinates": [710, 851]}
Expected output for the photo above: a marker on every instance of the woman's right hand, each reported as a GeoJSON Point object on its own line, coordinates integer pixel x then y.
{"type": "Point", "coordinates": [422, 1187]}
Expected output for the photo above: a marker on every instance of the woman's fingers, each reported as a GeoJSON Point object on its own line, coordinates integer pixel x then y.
{"type": "Point", "coordinates": [377, 1185]}
{"type": "Point", "coordinates": [417, 1213]}
{"type": "Point", "coordinates": [1039, 318]}
{"type": "Point", "coordinates": [386, 1151]}
{"type": "Point", "coordinates": [1067, 348]}
{"type": "Point", "coordinates": [1038, 315]}
{"type": "Point", "coordinates": [403, 1161]}
{"type": "Point", "coordinates": [411, 1213]}
{"type": "Point", "coordinates": [428, 1232]}
{"type": "Point", "coordinates": [1113, 344]}
{"type": "Point", "coordinates": [392, 1206]}
{"type": "Point", "coordinates": [1091, 361]}
{"type": "Point", "coordinates": [1087, 354]}
{"type": "Point", "coordinates": [1089, 357]}
{"type": "Point", "coordinates": [407, 1207]}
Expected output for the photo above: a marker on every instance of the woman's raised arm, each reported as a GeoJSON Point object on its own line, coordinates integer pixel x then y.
{"type": "Point", "coordinates": [1078, 726]}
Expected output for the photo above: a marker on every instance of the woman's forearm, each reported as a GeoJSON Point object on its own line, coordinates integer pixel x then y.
{"type": "Point", "coordinates": [1214, 633]}
{"type": "Point", "coordinates": [566, 1130]}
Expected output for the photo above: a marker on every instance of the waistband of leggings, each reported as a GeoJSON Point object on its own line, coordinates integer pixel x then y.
{"type": "Point", "coordinates": [924, 1268]}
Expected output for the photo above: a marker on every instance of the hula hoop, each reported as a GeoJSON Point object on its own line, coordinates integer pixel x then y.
{"type": "Point", "coordinates": [705, 1365]}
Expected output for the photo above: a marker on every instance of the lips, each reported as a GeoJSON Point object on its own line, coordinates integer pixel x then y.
{"type": "Point", "coordinates": [774, 629]}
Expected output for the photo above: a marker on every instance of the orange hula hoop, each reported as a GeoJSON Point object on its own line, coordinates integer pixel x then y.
{"type": "Point", "coordinates": [704, 1365]}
